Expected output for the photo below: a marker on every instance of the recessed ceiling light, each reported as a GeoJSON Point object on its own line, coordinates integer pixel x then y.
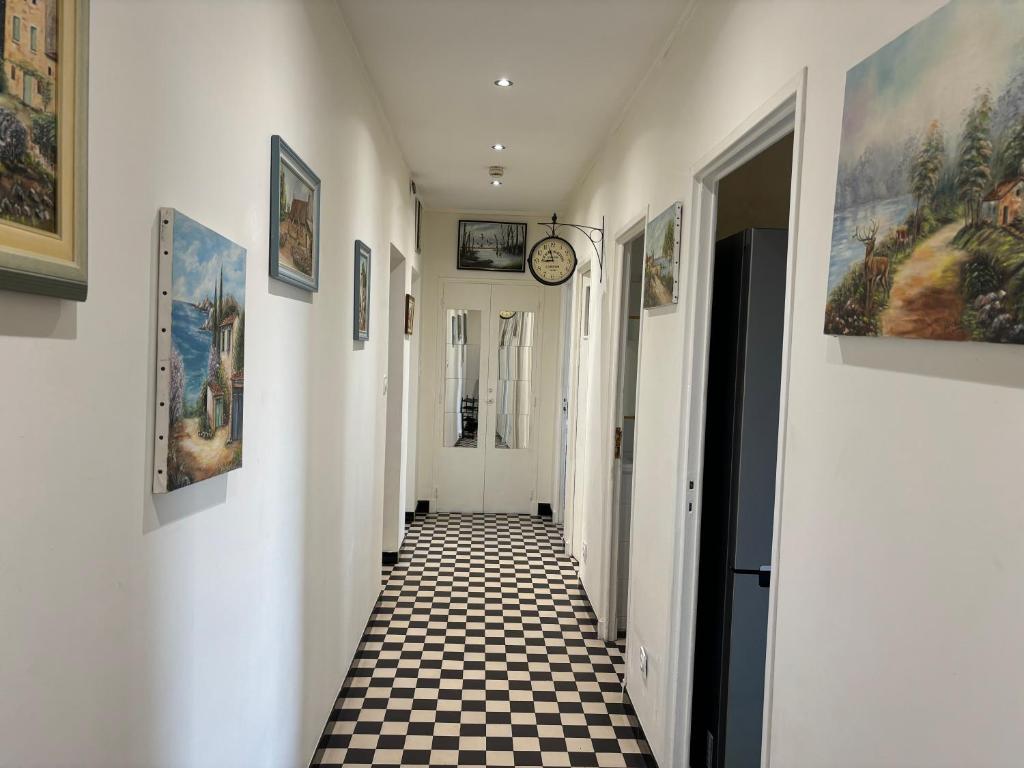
{"type": "Point", "coordinates": [495, 182]}
{"type": "Point", "coordinates": [498, 147]}
{"type": "Point", "coordinates": [503, 82]}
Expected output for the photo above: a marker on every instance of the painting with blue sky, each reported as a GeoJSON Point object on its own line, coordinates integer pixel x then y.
{"type": "Point", "coordinates": [928, 229]}
{"type": "Point", "coordinates": [205, 375]}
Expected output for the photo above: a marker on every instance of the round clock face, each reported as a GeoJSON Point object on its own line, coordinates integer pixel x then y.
{"type": "Point", "coordinates": [552, 261]}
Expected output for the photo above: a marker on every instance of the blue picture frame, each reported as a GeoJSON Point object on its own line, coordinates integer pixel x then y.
{"type": "Point", "coordinates": [361, 282]}
{"type": "Point", "coordinates": [294, 218]}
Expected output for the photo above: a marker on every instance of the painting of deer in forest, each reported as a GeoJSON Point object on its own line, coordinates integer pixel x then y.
{"type": "Point", "coordinates": [928, 226]}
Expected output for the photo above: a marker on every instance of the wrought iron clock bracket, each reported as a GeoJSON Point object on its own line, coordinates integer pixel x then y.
{"type": "Point", "coordinates": [594, 234]}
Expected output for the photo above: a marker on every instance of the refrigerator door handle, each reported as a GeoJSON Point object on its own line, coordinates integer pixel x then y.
{"type": "Point", "coordinates": [764, 576]}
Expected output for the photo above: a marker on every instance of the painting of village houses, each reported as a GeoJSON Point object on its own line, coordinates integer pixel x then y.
{"type": "Point", "coordinates": [294, 246]}
{"type": "Point", "coordinates": [206, 354]}
{"type": "Point", "coordinates": [28, 113]}
{"type": "Point", "coordinates": [928, 233]}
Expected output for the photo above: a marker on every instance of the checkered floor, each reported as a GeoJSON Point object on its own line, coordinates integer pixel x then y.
{"type": "Point", "coordinates": [482, 651]}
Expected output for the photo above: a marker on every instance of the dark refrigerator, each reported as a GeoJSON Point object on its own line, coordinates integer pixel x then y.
{"type": "Point", "coordinates": [737, 498]}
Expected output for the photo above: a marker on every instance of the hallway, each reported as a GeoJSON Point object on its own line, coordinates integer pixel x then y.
{"type": "Point", "coordinates": [482, 651]}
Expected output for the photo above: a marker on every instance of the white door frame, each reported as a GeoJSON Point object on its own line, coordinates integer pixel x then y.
{"type": "Point", "coordinates": [572, 471]}
{"type": "Point", "coordinates": [781, 115]}
{"type": "Point", "coordinates": [612, 514]}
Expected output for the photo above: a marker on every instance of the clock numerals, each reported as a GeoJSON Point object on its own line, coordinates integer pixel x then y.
{"type": "Point", "coordinates": [552, 261]}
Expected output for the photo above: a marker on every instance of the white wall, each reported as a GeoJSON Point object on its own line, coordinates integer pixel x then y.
{"type": "Point", "coordinates": [899, 626]}
{"type": "Point", "coordinates": [439, 240]}
{"type": "Point", "coordinates": [212, 626]}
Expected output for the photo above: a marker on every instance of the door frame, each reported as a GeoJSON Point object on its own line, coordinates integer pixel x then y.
{"type": "Point", "coordinates": [782, 114]}
{"type": "Point", "coordinates": [572, 471]}
{"type": "Point", "coordinates": [440, 343]}
{"type": "Point", "coordinates": [612, 515]}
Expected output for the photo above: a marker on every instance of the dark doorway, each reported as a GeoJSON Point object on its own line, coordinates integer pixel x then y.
{"type": "Point", "coordinates": [740, 460]}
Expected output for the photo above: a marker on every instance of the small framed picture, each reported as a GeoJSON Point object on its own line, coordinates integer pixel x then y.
{"type": "Point", "coordinates": [294, 218]}
{"type": "Point", "coordinates": [492, 246]}
{"type": "Point", "coordinates": [410, 314]}
{"type": "Point", "coordinates": [361, 293]}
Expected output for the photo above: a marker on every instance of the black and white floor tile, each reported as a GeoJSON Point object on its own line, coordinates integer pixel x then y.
{"type": "Point", "coordinates": [482, 651]}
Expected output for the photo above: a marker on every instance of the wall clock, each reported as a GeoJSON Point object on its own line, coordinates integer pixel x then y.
{"type": "Point", "coordinates": [552, 260]}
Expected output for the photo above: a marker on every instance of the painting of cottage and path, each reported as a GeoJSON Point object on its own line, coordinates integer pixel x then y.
{"type": "Point", "coordinates": [928, 234]}
{"type": "Point", "coordinates": [28, 113]}
{"type": "Point", "coordinates": [207, 359]}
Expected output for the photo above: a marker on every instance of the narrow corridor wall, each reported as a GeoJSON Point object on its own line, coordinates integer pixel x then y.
{"type": "Point", "coordinates": [898, 626]}
{"type": "Point", "coordinates": [213, 626]}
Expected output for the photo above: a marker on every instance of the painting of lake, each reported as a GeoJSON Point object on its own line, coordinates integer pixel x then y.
{"type": "Point", "coordinates": [928, 228]}
{"type": "Point", "coordinates": [494, 246]}
{"type": "Point", "coordinates": [204, 377]}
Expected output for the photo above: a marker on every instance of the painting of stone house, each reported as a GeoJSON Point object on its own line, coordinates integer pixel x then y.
{"type": "Point", "coordinates": [28, 113]}
{"type": "Point", "coordinates": [294, 219]}
{"type": "Point", "coordinates": [199, 425]}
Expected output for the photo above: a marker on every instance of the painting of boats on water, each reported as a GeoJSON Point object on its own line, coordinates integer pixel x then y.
{"type": "Point", "coordinates": [201, 354]}
{"type": "Point", "coordinates": [928, 231]}
{"type": "Point", "coordinates": [495, 246]}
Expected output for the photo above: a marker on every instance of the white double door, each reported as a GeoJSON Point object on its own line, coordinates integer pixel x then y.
{"type": "Point", "coordinates": [490, 349]}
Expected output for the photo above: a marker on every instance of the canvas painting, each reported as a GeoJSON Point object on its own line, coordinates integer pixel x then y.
{"type": "Point", "coordinates": [661, 257]}
{"type": "Point", "coordinates": [43, 186]}
{"type": "Point", "coordinates": [201, 353]}
{"type": "Point", "coordinates": [928, 231]}
{"type": "Point", "coordinates": [410, 314]}
{"type": "Point", "coordinates": [294, 218]}
{"type": "Point", "coordinates": [494, 246]}
{"type": "Point", "coordinates": [361, 291]}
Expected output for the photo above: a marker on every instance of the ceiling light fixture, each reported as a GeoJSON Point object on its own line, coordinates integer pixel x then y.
{"type": "Point", "coordinates": [503, 82]}
{"type": "Point", "coordinates": [496, 172]}
{"type": "Point", "coordinates": [495, 182]}
{"type": "Point", "coordinates": [498, 147]}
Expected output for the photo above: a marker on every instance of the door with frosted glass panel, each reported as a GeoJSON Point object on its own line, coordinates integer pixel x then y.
{"type": "Point", "coordinates": [510, 465]}
{"type": "Point", "coordinates": [490, 341]}
{"type": "Point", "coordinates": [465, 325]}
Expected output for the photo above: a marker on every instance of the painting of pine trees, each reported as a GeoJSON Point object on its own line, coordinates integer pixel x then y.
{"type": "Point", "coordinates": [928, 229]}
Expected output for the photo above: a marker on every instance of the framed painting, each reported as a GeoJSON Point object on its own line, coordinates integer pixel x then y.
{"type": "Point", "coordinates": [44, 53]}
{"type": "Point", "coordinates": [492, 246]}
{"type": "Point", "coordinates": [410, 314]}
{"type": "Point", "coordinates": [419, 218]}
{"type": "Point", "coordinates": [928, 225]}
{"type": "Point", "coordinates": [661, 257]}
{"type": "Point", "coordinates": [200, 370]}
{"type": "Point", "coordinates": [294, 218]}
{"type": "Point", "coordinates": [361, 293]}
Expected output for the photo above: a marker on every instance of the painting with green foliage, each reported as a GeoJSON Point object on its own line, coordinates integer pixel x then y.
{"type": "Point", "coordinates": [201, 353]}
{"type": "Point", "coordinates": [661, 257]}
{"type": "Point", "coordinates": [928, 231]}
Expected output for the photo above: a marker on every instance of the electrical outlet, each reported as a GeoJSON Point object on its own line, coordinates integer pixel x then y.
{"type": "Point", "coordinates": [643, 662]}
{"type": "Point", "coordinates": [583, 552]}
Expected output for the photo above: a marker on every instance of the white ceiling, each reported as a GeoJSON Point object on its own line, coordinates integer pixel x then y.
{"type": "Point", "coordinates": [575, 64]}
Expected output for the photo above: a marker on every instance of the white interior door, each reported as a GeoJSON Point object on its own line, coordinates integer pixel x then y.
{"type": "Point", "coordinates": [491, 349]}
{"type": "Point", "coordinates": [465, 327]}
{"type": "Point", "coordinates": [510, 481]}
{"type": "Point", "coordinates": [582, 402]}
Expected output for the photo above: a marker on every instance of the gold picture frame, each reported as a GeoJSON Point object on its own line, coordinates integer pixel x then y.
{"type": "Point", "coordinates": [44, 54]}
